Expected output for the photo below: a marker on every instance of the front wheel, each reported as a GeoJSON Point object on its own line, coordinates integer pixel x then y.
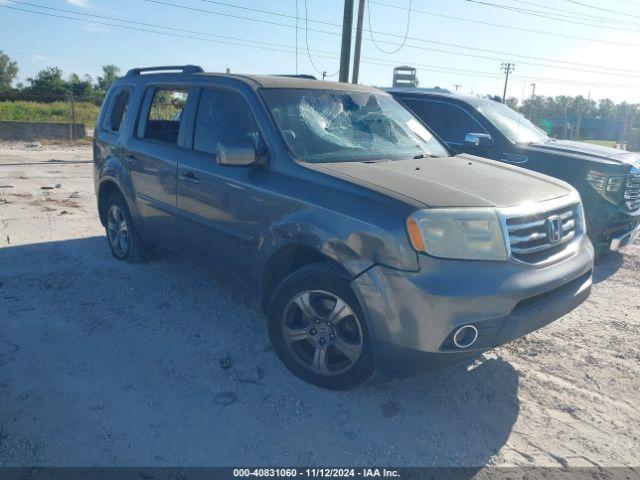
{"type": "Point", "coordinates": [318, 330]}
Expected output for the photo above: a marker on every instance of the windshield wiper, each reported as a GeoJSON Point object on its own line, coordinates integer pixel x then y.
{"type": "Point", "coordinates": [425, 155]}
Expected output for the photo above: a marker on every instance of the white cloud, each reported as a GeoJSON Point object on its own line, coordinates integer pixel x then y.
{"type": "Point", "coordinates": [79, 3]}
{"type": "Point", "coordinates": [94, 27]}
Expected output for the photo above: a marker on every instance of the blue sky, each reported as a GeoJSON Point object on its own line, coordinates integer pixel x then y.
{"type": "Point", "coordinates": [446, 51]}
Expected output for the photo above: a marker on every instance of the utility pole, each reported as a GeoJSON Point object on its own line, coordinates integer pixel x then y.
{"type": "Point", "coordinates": [507, 68]}
{"type": "Point", "coordinates": [345, 52]}
{"type": "Point", "coordinates": [358, 49]}
{"type": "Point", "coordinates": [457, 86]}
{"type": "Point", "coordinates": [533, 97]}
{"type": "Point", "coordinates": [70, 120]}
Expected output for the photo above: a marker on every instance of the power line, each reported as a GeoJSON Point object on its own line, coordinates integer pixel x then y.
{"type": "Point", "coordinates": [306, 41]}
{"type": "Point", "coordinates": [509, 27]}
{"type": "Point", "coordinates": [406, 31]}
{"type": "Point", "coordinates": [150, 25]}
{"type": "Point", "coordinates": [425, 67]}
{"type": "Point", "coordinates": [267, 12]}
{"type": "Point", "coordinates": [603, 9]}
{"type": "Point", "coordinates": [630, 2]}
{"type": "Point", "coordinates": [228, 15]}
{"type": "Point", "coordinates": [289, 49]}
{"type": "Point", "coordinates": [573, 14]}
{"type": "Point", "coordinates": [464, 47]}
{"type": "Point", "coordinates": [253, 44]}
{"type": "Point", "coordinates": [557, 17]}
{"type": "Point", "coordinates": [409, 9]}
{"type": "Point", "coordinates": [280, 45]}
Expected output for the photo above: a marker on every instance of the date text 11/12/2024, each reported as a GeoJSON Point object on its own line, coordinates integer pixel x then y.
{"type": "Point", "coordinates": [317, 472]}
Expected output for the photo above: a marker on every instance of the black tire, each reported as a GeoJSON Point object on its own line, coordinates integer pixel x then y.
{"type": "Point", "coordinates": [135, 249]}
{"type": "Point", "coordinates": [318, 279]}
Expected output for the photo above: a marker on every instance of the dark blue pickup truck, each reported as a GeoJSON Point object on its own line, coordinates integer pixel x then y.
{"type": "Point", "coordinates": [607, 179]}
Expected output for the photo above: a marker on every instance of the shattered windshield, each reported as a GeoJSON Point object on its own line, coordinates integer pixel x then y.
{"type": "Point", "coordinates": [340, 126]}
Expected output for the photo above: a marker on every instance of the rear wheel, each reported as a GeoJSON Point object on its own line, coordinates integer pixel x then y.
{"type": "Point", "coordinates": [124, 241]}
{"type": "Point", "coordinates": [318, 330]}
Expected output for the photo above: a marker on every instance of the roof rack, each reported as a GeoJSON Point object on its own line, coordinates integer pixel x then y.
{"type": "Point", "coordinates": [181, 68]}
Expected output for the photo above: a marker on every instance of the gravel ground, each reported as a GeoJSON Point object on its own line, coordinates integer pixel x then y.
{"type": "Point", "coordinates": [107, 363]}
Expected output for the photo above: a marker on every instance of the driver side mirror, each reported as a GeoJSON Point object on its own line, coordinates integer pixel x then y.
{"type": "Point", "coordinates": [241, 154]}
{"type": "Point", "coordinates": [478, 140]}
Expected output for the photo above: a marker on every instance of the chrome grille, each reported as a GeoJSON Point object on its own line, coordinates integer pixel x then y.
{"type": "Point", "coordinates": [632, 192]}
{"type": "Point", "coordinates": [543, 237]}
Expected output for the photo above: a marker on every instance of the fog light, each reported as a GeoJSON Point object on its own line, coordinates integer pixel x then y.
{"type": "Point", "coordinates": [465, 336]}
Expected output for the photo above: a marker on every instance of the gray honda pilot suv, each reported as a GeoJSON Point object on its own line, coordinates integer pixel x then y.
{"type": "Point", "coordinates": [372, 248]}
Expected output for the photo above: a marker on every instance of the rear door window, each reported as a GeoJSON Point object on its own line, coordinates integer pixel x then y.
{"type": "Point", "coordinates": [163, 119]}
{"type": "Point", "coordinates": [223, 117]}
{"type": "Point", "coordinates": [449, 121]}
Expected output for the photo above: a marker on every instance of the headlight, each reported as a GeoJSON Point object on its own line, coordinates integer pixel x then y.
{"type": "Point", "coordinates": [597, 180]}
{"type": "Point", "coordinates": [601, 182]}
{"type": "Point", "coordinates": [459, 233]}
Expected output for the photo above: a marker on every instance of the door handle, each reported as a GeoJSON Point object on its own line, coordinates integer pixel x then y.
{"type": "Point", "coordinates": [131, 159]}
{"type": "Point", "coordinates": [189, 177]}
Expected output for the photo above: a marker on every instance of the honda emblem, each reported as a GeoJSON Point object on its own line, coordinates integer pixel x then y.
{"type": "Point", "coordinates": [554, 229]}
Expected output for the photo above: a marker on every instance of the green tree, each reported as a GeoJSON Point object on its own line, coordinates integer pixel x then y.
{"type": "Point", "coordinates": [110, 74]}
{"type": "Point", "coordinates": [627, 114]}
{"type": "Point", "coordinates": [606, 109]}
{"type": "Point", "coordinates": [580, 108]}
{"type": "Point", "coordinates": [512, 102]}
{"type": "Point", "coordinates": [80, 87]}
{"type": "Point", "coordinates": [48, 81]}
{"type": "Point", "coordinates": [8, 71]}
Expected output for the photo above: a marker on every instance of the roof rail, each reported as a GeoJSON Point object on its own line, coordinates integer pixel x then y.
{"type": "Point", "coordinates": [181, 68]}
{"type": "Point", "coordinates": [301, 75]}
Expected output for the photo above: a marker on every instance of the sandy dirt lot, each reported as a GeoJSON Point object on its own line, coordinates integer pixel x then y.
{"type": "Point", "coordinates": [107, 363]}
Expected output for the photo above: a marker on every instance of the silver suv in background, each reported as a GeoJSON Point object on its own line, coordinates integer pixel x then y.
{"type": "Point", "coordinates": [370, 246]}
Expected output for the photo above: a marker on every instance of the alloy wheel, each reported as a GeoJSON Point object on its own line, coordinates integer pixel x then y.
{"type": "Point", "coordinates": [322, 332]}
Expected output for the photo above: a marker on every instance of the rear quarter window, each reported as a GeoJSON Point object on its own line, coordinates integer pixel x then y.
{"type": "Point", "coordinates": [117, 110]}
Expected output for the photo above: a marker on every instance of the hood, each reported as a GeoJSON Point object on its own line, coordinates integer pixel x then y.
{"type": "Point", "coordinates": [593, 152]}
{"type": "Point", "coordinates": [460, 181]}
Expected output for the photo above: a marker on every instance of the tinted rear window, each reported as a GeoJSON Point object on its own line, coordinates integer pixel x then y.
{"type": "Point", "coordinates": [117, 111]}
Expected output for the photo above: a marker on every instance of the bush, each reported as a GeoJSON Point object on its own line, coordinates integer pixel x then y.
{"type": "Point", "coordinates": [21, 111]}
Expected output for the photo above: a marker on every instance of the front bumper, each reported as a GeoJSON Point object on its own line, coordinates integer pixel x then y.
{"type": "Point", "coordinates": [412, 315]}
{"type": "Point", "coordinates": [610, 227]}
{"type": "Point", "coordinates": [624, 239]}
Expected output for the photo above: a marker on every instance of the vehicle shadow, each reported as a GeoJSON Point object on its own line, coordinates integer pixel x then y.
{"type": "Point", "coordinates": [163, 364]}
{"type": "Point", "coordinates": [463, 414]}
{"type": "Point", "coordinates": [606, 266]}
